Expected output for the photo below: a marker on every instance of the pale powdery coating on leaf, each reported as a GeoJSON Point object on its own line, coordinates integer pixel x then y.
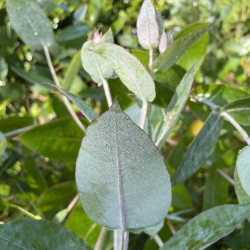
{"type": "Point", "coordinates": [30, 23]}
{"type": "Point", "coordinates": [147, 26]}
{"type": "Point", "coordinates": [120, 174]}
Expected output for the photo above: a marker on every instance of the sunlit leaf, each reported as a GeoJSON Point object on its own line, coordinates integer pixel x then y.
{"type": "Point", "coordinates": [30, 23]}
{"type": "Point", "coordinates": [208, 227]}
{"type": "Point", "coordinates": [120, 174]}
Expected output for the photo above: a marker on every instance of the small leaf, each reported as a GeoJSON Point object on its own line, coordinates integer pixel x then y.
{"type": "Point", "coordinates": [131, 72]}
{"type": "Point", "coordinates": [240, 110]}
{"type": "Point", "coordinates": [208, 227]}
{"type": "Point", "coordinates": [38, 234]}
{"type": "Point", "coordinates": [3, 143]}
{"type": "Point", "coordinates": [30, 23]}
{"type": "Point", "coordinates": [147, 26]}
{"type": "Point", "coordinates": [120, 174]}
{"type": "Point", "coordinates": [174, 108]}
{"type": "Point", "coordinates": [243, 168]}
{"type": "Point", "coordinates": [200, 149]}
{"type": "Point", "coordinates": [177, 50]}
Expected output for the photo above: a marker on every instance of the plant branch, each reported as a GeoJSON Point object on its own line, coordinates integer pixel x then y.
{"type": "Point", "coordinates": [237, 126]}
{"type": "Point", "coordinates": [18, 131]}
{"type": "Point", "coordinates": [64, 98]}
{"type": "Point", "coordinates": [171, 227]}
{"type": "Point", "coordinates": [225, 176]}
{"type": "Point", "coordinates": [158, 240]}
{"type": "Point", "coordinates": [151, 59]}
{"type": "Point", "coordinates": [72, 203]}
{"type": "Point", "coordinates": [143, 115]}
{"type": "Point", "coordinates": [121, 239]}
{"type": "Point", "coordinates": [107, 92]}
{"type": "Point", "coordinates": [36, 217]}
{"type": "Point", "coordinates": [100, 239]}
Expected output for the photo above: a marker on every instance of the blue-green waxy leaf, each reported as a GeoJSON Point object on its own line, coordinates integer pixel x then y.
{"type": "Point", "coordinates": [242, 196]}
{"type": "Point", "coordinates": [147, 26]}
{"type": "Point", "coordinates": [120, 174]}
{"type": "Point", "coordinates": [131, 72]}
{"type": "Point", "coordinates": [208, 227]}
{"type": "Point", "coordinates": [200, 149]}
{"type": "Point", "coordinates": [30, 23]}
{"type": "Point", "coordinates": [243, 168]}
{"type": "Point", "coordinates": [3, 143]}
{"type": "Point", "coordinates": [38, 234]}
{"type": "Point", "coordinates": [176, 50]}
{"type": "Point", "coordinates": [174, 108]}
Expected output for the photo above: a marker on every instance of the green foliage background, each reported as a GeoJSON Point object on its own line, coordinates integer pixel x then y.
{"type": "Point", "coordinates": [37, 169]}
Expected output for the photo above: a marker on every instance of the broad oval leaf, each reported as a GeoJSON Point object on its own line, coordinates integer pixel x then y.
{"type": "Point", "coordinates": [176, 50]}
{"type": "Point", "coordinates": [240, 110]}
{"type": "Point", "coordinates": [243, 168]}
{"type": "Point", "coordinates": [59, 140]}
{"type": "Point", "coordinates": [120, 174]}
{"type": "Point", "coordinates": [208, 227]}
{"type": "Point", "coordinates": [147, 26]}
{"type": "Point", "coordinates": [38, 234]}
{"type": "Point", "coordinates": [97, 66]}
{"type": "Point", "coordinates": [174, 108]}
{"type": "Point", "coordinates": [30, 23]}
{"type": "Point", "coordinates": [131, 72]}
{"type": "Point", "coordinates": [200, 149]}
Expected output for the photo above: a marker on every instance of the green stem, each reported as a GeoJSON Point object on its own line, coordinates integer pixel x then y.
{"type": "Point", "coordinates": [121, 239]}
{"type": "Point", "coordinates": [36, 217]}
{"type": "Point", "coordinates": [143, 115]}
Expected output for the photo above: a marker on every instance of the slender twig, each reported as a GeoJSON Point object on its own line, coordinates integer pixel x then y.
{"type": "Point", "coordinates": [143, 115]}
{"type": "Point", "coordinates": [171, 227]}
{"type": "Point", "coordinates": [100, 239]}
{"type": "Point", "coordinates": [107, 92]}
{"type": "Point", "coordinates": [64, 98]}
{"type": "Point", "coordinates": [227, 177]}
{"type": "Point", "coordinates": [158, 240]}
{"type": "Point", "coordinates": [237, 126]}
{"type": "Point", "coordinates": [151, 58]}
{"type": "Point", "coordinates": [205, 101]}
{"type": "Point", "coordinates": [72, 203]}
{"type": "Point", "coordinates": [18, 131]}
{"type": "Point", "coordinates": [36, 217]}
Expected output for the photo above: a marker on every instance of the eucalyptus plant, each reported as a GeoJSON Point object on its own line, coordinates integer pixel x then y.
{"type": "Point", "coordinates": [122, 178]}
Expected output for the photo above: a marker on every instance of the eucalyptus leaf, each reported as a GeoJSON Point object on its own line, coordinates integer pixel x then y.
{"type": "Point", "coordinates": [174, 108]}
{"type": "Point", "coordinates": [38, 234]}
{"type": "Point", "coordinates": [147, 26]}
{"type": "Point", "coordinates": [176, 50]}
{"type": "Point", "coordinates": [243, 168]}
{"type": "Point", "coordinates": [3, 143]}
{"type": "Point", "coordinates": [200, 149]}
{"type": "Point", "coordinates": [208, 227]}
{"type": "Point", "coordinates": [120, 174]}
{"type": "Point", "coordinates": [30, 23]}
{"type": "Point", "coordinates": [240, 110]}
{"type": "Point", "coordinates": [131, 72]}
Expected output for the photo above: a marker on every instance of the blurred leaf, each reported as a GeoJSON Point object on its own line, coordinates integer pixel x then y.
{"type": "Point", "coordinates": [3, 143]}
{"type": "Point", "coordinates": [13, 91]}
{"type": "Point", "coordinates": [3, 68]}
{"type": "Point", "coordinates": [35, 28]}
{"type": "Point", "coordinates": [57, 197]}
{"type": "Point", "coordinates": [72, 32]}
{"type": "Point", "coordinates": [242, 196]}
{"type": "Point", "coordinates": [147, 26]}
{"type": "Point", "coordinates": [181, 198]}
{"type": "Point", "coordinates": [59, 140]}
{"type": "Point", "coordinates": [48, 5]}
{"type": "Point", "coordinates": [72, 71]}
{"type": "Point", "coordinates": [116, 153]}
{"type": "Point", "coordinates": [163, 95]}
{"type": "Point", "coordinates": [216, 189]}
{"type": "Point", "coordinates": [206, 228]}
{"type": "Point", "coordinates": [118, 25]}
{"type": "Point", "coordinates": [200, 149]}
{"type": "Point", "coordinates": [59, 108]}
{"type": "Point", "coordinates": [33, 176]}
{"type": "Point", "coordinates": [240, 110]}
{"type": "Point", "coordinates": [152, 231]}
{"type": "Point", "coordinates": [13, 123]}
{"type": "Point", "coordinates": [87, 229]}
{"type": "Point", "coordinates": [80, 13]}
{"type": "Point", "coordinates": [174, 109]}
{"type": "Point", "coordinates": [38, 234]}
{"type": "Point", "coordinates": [243, 168]}
{"type": "Point", "coordinates": [94, 7]}
{"type": "Point", "coordinates": [176, 50]}
{"type": "Point", "coordinates": [131, 72]}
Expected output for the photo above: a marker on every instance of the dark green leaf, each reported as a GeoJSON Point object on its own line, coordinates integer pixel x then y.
{"type": "Point", "coordinates": [116, 167]}
{"type": "Point", "coordinates": [200, 149]}
{"type": "Point", "coordinates": [59, 140]}
{"type": "Point", "coordinates": [208, 227]}
{"type": "Point", "coordinates": [30, 23]}
{"type": "Point", "coordinates": [176, 50]}
{"type": "Point", "coordinates": [38, 234]}
{"type": "Point", "coordinates": [3, 143]}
